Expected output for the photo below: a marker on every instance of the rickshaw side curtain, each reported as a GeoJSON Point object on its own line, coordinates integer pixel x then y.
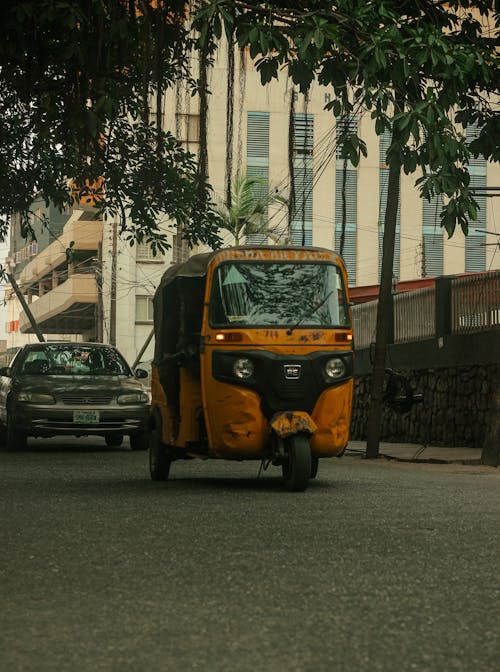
{"type": "Point", "coordinates": [166, 302]}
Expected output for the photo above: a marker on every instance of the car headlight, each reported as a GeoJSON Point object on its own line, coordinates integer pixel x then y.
{"type": "Point", "coordinates": [243, 368]}
{"type": "Point", "coordinates": [36, 398]}
{"type": "Point", "coordinates": [133, 398]}
{"type": "Point", "coordinates": [335, 368]}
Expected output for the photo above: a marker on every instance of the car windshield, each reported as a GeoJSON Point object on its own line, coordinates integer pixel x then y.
{"type": "Point", "coordinates": [286, 294]}
{"type": "Point", "coordinates": [79, 360]}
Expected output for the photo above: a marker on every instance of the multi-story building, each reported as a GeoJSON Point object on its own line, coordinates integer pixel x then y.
{"type": "Point", "coordinates": [39, 266]}
{"type": "Point", "coordinates": [102, 292]}
{"type": "Point", "coordinates": [286, 140]}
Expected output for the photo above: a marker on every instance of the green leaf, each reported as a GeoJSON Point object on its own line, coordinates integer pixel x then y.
{"type": "Point", "coordinates": [319, 38]}
{"type": "Point", "coordinates": [305, 44]}
{"type": "Point", "coordinates": [217, 27]}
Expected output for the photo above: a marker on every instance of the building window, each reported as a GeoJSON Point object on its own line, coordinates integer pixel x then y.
{"type": "Point", "coordinates": [384, 144]}
{"type": "Point", "coordinates": [432, 237]}
{"type": "Point", "coordinates": [303, 179]}
{"type": "Point", "coordinates": [346, 174]}
{"type": "Point", "coordinates": [258, 165]}
{"type": "Point", "coordinates": [475, 241]}
{"type": "Point", "coordinates": [145, 253]}
{"type": "Point", "coordinates": [189, 128]}
{"type": "Point", "coordinates": [143, 309]}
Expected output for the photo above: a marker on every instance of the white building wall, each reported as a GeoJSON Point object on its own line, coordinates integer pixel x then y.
{"type": "Point", "coordinates": [133, 278]}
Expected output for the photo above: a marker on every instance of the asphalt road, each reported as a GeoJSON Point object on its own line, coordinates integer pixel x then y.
{"type": "Point", "coordinates": [378, 566]}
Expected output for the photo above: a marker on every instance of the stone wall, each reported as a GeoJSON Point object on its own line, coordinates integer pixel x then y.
{"type": "Point", "coordinates": [453, 411]}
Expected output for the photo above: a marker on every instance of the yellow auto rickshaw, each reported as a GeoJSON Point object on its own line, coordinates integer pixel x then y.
{"type": "Point", "coordinates": [253, 360]}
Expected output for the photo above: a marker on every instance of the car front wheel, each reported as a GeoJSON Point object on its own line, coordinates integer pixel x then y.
{"type": "Point", "coordinates": [14, 439]}
{"type": "Point", "coordinates": [113, 440]}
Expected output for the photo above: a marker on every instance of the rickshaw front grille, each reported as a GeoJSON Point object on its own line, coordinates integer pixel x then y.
{"type": "Point", "coordinates": [289, 389]}
{"type": "Point", "coordinates": [277, 392]}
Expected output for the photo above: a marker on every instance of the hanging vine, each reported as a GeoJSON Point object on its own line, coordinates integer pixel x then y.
{"type": "Point", "coordinates": [306, 188]}
{"type": "Point", "coordinates": [344, 206]}
{"type": "Point", "coordinates": [159, 70]}
{"type": "Point", "coordinates": [242, 79]}
{"type": "Point", "coordinates": [229, 119]}
{"type": "Point", "coordinates": [203, 62]}
{"type": "Point", "coordinates": [291, 153]}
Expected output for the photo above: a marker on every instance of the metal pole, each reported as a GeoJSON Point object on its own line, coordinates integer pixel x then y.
{"type": "Point", "coordinates": [142, 350]}
{"type": "Point", "coordinates": [26, 308]}
{"type": "Point", "coordinates": [112, 308]}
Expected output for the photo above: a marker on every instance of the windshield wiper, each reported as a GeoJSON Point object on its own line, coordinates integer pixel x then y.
{"type": "Point", "coordinates": [310, 314]}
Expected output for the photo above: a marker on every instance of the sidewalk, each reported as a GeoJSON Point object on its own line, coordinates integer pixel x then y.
{"type": "Point", "coordinates": [414, 452]}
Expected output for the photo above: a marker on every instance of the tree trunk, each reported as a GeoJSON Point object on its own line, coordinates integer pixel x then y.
{"type": "Point", "coordinates": [384, 314]}
{"type": "Point", "coordinates": [491, 447]}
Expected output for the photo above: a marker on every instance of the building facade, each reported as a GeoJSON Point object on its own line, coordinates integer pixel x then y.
{"type": "Point", "coordinates": [292, 144]}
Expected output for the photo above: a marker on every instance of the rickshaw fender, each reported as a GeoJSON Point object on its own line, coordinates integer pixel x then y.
{"type": "Point", "coordinates": [288, 423]}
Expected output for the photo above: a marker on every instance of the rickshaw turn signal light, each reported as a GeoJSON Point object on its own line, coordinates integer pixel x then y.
{"type": "Point", "coordinates": [342, 337]}
{"type": "Point", "coordinates": [228, 337]}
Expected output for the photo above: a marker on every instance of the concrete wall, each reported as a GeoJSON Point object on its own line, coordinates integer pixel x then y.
{"type": "Point", "coordinates": [456, 383]}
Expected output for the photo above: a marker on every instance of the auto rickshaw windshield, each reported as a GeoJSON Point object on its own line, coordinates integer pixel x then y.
{"type": "Point", "coordinates": [280, 294]}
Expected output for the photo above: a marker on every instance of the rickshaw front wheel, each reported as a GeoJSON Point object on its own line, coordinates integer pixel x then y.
{"type": "Point", "coordinates": [159, 461]}
{"type": "Point", "coordinates": [314, 466]}
{"type": "Point", "coordinates": [297, 465]}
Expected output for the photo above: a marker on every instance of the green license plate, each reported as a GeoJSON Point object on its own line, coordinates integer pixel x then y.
{"type": "Point", "coordinates": [86, 417]}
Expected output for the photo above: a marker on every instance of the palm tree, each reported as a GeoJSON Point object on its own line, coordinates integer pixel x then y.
{"type": "Point", "coordinates": [246, 213]}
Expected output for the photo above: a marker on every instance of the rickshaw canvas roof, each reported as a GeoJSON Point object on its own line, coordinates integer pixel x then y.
{"type": "Point", "coordinates": [196, 266]}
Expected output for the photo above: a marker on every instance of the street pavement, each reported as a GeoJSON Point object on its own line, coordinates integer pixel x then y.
{"type": "Point", "coordinates": [380, 566]}
{"type": "Point", "coordinates": [415, 452]}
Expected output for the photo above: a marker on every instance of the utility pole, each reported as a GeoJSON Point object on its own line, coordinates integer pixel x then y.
{"type": "Point", "coordinates": [112, 308]}
{"type": "Point", "coordinates": [100, 311]}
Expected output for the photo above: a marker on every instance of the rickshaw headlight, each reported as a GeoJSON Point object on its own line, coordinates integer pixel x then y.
{"type": "Point", "coordinates": [243, 368]}
{"type": "Point", "coordinates": [335, 368]}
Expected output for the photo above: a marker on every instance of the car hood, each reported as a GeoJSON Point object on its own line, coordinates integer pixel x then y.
{"type": "Point", "coordinates": [61, 384]}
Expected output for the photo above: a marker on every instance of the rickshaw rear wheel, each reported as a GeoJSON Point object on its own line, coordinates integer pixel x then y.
{"type": "Point", "coordinates": [314, 466]}
{"type": "Point", "coordinates": [297, 465]}
{"type": "Point", "coordinates": [159, 461]}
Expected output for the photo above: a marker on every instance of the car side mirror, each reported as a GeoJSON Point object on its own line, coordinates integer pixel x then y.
{"type": "Point", "coordinates": [5, 371]}
{"type": "Point", "coordinates": [140, 373]}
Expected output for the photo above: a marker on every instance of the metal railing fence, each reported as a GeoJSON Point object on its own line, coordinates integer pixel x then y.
{"type": "Point", "coordinates": [473, 305]}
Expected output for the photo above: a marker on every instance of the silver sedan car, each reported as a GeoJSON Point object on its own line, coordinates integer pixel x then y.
{"type": "Point", "coordinates": [76, 389]}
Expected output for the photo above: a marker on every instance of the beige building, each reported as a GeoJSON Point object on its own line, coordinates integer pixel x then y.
{"type": "Point", "coordinates": [89, 298]}
{"type": "Point", "coordinates": [262, 124]}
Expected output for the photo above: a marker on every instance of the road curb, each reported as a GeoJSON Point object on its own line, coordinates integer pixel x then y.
{"type": "Point", "coordinates": [353, 452]}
